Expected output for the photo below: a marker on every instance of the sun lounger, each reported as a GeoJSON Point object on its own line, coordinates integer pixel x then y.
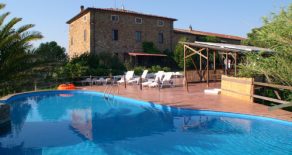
{"type": "Point", "coordinates": [165, 82]}
{"type": "Point", "coordinates": [87, 80]}
{"type": "Point", "coordinates": [143, 76]}
{"type": "Point", "coordinates": [129, 76]}
{"type": "Point", "coordinates": [158, 77]}
{"type": "Point", "coordinates": [99, 81]}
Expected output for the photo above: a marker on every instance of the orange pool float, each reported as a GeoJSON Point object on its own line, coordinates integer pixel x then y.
{"type": "Point", "coordinates": [66, 87]}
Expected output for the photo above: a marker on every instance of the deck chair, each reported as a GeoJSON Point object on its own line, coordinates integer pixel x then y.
{"type": "Point", "coordinates": [143, 76]}
{"type": "Point", "coordinates": [99, 81]}
{"type": "Point", "coordinates": [167, 80]}
{"type": "Point", "coordinates": [87, 80]}
{"type": "Point", "coordinates": [158, 77]}
{"type": "Point", "coordinates": [129, 76]}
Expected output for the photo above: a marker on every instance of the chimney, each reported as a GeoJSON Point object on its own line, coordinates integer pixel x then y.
{"type": "Point", "coordinates": [190, 28]}
{"type": "Point", "coordinates": [81, 8]}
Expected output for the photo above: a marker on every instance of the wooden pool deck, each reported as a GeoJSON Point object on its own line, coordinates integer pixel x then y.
{"type": "Point", "coordinates": [196, 99]}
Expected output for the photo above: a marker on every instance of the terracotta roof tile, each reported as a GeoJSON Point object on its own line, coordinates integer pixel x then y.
{"type": "Point", "coordinates": [195, 32]}
{"type": "Point", "coordinates": [117, 11]}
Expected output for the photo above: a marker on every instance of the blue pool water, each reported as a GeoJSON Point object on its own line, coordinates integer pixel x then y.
{"type": "Point", "coordinates": [77, 122]}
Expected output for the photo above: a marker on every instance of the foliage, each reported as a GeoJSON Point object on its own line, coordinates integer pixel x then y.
{"type": "Point", "coordinates": [15, 60]}
{"type": "Point", "coordinates": [101, 64]}
{"type": "Point", "coordinates": [157, 68]}
{"type": "Point", "coordinates": [139, 70]}
{"type": "Point", "coordinates": [212, 39]}
{"type": "Point", "coordinates": [276, 34]}
{"type": "Point", "coordinates": [178, 54]}
{"type": "Point", "coordinates": [153, 69]}
{"type": "Point", "coordinates": [51, 52]}
{"type": "Point", "coordinates": [148, 47]}
{"type": "Point", "coordinates": [70, 71]}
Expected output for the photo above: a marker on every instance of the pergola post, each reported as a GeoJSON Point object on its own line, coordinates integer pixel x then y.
{"type": "Point", "coordinates": [185, 74]}
{"type": "Point", "coordinates": [207, 67]}
{"type": "Point", "coordinates": [214, 60]}
{"type": "Point", "coordinates": [235, 64]}
{"type": "Point", "coordinates": [226, 65]}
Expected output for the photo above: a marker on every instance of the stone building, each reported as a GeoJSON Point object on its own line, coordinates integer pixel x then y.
{"type": "Point", "coordinates": [122, 32]}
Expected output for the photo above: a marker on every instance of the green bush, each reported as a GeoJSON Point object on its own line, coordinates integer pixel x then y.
{"type": "Point", "coordinates": [148, 47]}
{"type": "Point", "coordinates": [157, 68]}
{"type": "Point", "coordinates": [139, 70]}
{"type": "Point", "coordinates": [101, 64]}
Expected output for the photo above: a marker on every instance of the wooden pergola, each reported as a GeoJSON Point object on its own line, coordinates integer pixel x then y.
{"type": "Point", "coordinates": [207, 51]}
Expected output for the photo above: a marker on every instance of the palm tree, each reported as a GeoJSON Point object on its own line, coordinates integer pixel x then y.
{"type": "Point", "coordinates": [15, 46]}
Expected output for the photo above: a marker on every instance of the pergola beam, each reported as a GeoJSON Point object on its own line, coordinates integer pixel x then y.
{"type": "Point", "coordinates": [195, 52]}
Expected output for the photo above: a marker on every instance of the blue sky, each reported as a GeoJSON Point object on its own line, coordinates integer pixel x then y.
{"type": "Point", "coordinates": [235, 17]}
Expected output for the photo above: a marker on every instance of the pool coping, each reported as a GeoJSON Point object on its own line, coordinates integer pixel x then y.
{"type": "Point", "coordinates": [158, 105]}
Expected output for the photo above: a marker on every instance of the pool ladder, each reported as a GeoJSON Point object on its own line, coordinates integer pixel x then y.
{"type": "Point", "coordinates": [110, 91]}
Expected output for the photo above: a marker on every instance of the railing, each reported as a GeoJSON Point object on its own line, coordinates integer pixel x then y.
{"type": "Point", "coordinates": [282, 103]}
{"type": "Point", "coordinates": [23, 85]}
{"type": "Point", "coordinates": [245, 89]}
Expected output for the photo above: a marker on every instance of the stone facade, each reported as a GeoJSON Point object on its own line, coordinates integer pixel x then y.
{"type": "Point", "coordinates": [92, 31]}
{"type": "Point", "coordinates": [99, 27]}
{"type": "Point", "coordinates": [127, 28]}
{"type": "Point", "coordinates": [79, 36]}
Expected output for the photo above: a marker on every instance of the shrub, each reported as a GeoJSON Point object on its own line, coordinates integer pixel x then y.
{"type": "Point", "coordinates": [139, 70]}
{"type": "Point", "coordinates": [101, 64]}
{"type": "Point", "coordinates": [157, 68]}
{"type": "Point", "coordinates": [148, 47]}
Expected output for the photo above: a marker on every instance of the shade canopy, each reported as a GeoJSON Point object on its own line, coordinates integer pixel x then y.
{"type": "Point", "coordinates": [227, 47]}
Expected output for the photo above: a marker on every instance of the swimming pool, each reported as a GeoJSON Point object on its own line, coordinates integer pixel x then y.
{"type": "Point", "coordinates": [83, 122]}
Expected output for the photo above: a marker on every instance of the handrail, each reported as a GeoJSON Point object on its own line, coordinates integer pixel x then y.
{"type": "Point", "coordinates": [273, 85]}
{"type": "Point", "coordinates": [282, 103]}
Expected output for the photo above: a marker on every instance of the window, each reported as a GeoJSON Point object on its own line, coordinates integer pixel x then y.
{"type": "Point", "coordinates": [84, 18]}
{"type": "Point", "coordinates": [72, 40]}
{"type": "Point", "coordinates": [138, 36]}
{"type": "Point", "coordinates": [114, 18]}
{"type": "Point", "coordinates": [160, 38]}
{"type": "Point", "coordinates": [138, 20]}
{"type": "Point", "coordinates": [160, 23]}
{"type": "Point", "coordinates": [115, 35]}
{"type": "Point", "coordinates": [84, 35]}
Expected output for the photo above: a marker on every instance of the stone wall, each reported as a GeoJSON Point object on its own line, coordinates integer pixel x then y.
{"type": "Point", "coordinates": [126, 26]}
{"type": "Point", "coordinates": [78, 43]}
{"type": "Point", "coordinates": [178, 36]}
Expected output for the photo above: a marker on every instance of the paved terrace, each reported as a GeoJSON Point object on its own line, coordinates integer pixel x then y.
{"type": "Point", "coordinates": [196, 99]}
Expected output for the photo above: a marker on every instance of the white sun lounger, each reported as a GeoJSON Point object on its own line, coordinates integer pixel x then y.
{"type": "Point", "coordinates": [87, 80]}
{"type": "Point", "coordinates": [129, 76]}
{"type": "Point", "coordinates": [165, 82]}
{"type": "Point", "coordinates": [158, 77]}
{"type": "Point", "coordinates": [99, 81]}
{"type": "Point", "coordinates": [136, 80]}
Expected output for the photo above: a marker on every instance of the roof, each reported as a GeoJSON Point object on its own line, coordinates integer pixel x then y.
{"type": "Point", "coordinates": [195, 32]}
{"type": "Point", "coordinates": [227, 47]}
{"type": "Point", "coordinates": [146, 54]}
{"type": "Point", "coordinates": [115, 10]}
